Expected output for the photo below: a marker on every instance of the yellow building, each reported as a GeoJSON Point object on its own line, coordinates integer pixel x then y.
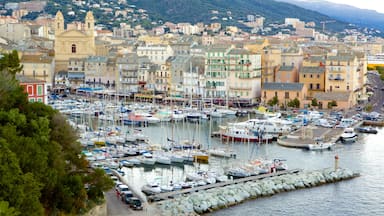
{"type": "Point", "coordinates": [270, 61]}
{"type": "Point", "coordinates": [73, 43]}
{"type": "Point", "coordinates": [313, 78]}
{"type": "Point", "coordinates": [342, 74]}
{"type": "Point", "coordinates": [39, 67]}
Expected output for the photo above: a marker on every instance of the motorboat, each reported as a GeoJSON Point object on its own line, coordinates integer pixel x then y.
{"type": "Point", "coordinates": [369, 130]}
{"type": "Point", "coordinates": [348, 135]}
{"type": "Point", "coordinates": [320, 146]}
{"type": "Point", "coordinates": [151, 188]}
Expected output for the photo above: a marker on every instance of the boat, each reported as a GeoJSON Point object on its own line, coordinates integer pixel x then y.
{"type": "Point", "coordinates": [348, 135]}
{"type": "Point", "coordinates": [240, 134]}
{"type": "Point", "coordinates": [320, 146]}
{"type": "Point", "coordinates": [369, 130]}
{"type": "Point", "coordinates": [162, 159]}
{"type": "Point", "coordinates": [226, 153]}
{"type": "Point", "coordinates": [151, 188]}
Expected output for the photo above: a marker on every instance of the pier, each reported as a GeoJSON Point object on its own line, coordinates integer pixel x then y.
{"type": "Point", "coordinates": [173, 194]}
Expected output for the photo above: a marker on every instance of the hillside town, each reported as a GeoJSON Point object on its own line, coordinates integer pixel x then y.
{"type": "Point", "coordinates": [186, 118]}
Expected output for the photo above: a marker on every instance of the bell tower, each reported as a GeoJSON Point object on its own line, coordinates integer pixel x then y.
{"type": "Point", "coordinates": [59, 23]}
{"type": "Point", "coordinates": [89, 24]}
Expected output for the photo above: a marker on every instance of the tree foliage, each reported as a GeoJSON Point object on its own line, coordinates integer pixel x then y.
{"type": "Point", "coordinates": [314, 102]}
{"type": "Point", "coordinates": [295, 103]}
{"type": "Point", "coordinates": [41, 167]}
{"type": "Point", "coordinates": [273, 101]}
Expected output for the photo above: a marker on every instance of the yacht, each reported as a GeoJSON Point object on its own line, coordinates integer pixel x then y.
{"type": "Point", "coordinates": [348, 135]}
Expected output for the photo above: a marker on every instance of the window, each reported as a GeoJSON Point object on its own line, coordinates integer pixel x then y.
{"type": "Point", "coordinates": [347, 87]}
{"type": "Point", "coordinates": [40, 100]}
{"type": "Point", "coordinates": [303, 75]}
{"type": "Point", "coordinates": [265, 94]}
{"type": "Point", "coordinates": [39, 90]}
{"type": "Point", "coordinates": [89, 25]}
{"type": "Point", "coordinates": [275, 94]}
{"type": "Point", "coordinates": [318, 86]}
{"type": "Point", "coordinates": [311, 86]}
{"type": "Point", "coordinates": [73, 48]}
{"type": "Point", "coordinates": [297, 94]}
{"type": "Point", "coordinates": [31, 99]}
{"type": "Point", "coordinates": [311, 76]}
{"type": "Point", "coordinates": [30, 90]}
{"type": "Point", "coordinates": [286, 95]}
{"type": "Point", "coordinates": [318, 75]}
{"type": "Point", "coordinates": [58, 25]}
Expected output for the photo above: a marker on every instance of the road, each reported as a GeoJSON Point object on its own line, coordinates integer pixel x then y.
{"type": "Point", "coordinates": [377, 99]}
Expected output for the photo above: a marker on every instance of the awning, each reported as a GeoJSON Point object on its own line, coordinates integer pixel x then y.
{"type": "Point", "coordinates": [76, 75]}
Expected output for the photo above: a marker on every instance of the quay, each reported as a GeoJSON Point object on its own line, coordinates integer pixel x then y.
{"type": "Point", "coordinates": [173, 194]}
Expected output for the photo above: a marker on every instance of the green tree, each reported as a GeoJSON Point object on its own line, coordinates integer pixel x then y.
{"type": "Point", "coordinates": [295, 103]}
{"type": "Point", "coordinates": [273, 101]}
{"type": "Point", "coordinates": [6, 210]}
{"type": "Point", "coordinates": [332, 104]}
{"type": "Point", "coordinates": [11, 62]}
{"type": "Point", "coordinates": [314, 102]}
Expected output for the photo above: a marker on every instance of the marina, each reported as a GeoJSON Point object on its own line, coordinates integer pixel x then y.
{"type": "Point", "coordinates": [169, 155]}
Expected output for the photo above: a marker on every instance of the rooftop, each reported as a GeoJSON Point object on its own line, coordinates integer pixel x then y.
{"type": "Point", "coordinates": [312, 70]}
{"type": "Point", "coordinates": [329, 96]}
{"type": "Point", "coordinates": [25, 79]}
{"type": "Point", "coordinates": [283, 86]}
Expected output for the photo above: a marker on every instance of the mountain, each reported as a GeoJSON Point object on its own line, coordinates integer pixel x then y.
{"type": "Point", "coordinates": [206, 10]}
{"type": "Point", "coordinates": [346, 13]}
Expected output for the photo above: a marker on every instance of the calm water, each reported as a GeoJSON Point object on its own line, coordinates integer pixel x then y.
{"type": "Point", "coordinates": [359, 196]}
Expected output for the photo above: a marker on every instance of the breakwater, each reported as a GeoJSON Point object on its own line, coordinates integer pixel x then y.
{"type": "Point", "coordinates": [217, 198]}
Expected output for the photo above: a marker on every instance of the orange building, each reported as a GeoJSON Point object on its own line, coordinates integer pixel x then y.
{"type": "Point", "coordinates": [285, 92]}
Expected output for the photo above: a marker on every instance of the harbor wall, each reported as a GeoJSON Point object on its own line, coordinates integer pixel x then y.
{"type": "Point", "coordinates": [217, 198]}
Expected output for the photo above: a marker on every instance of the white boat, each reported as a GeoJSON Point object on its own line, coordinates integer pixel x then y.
{"type": "Point", "coordinates": [348, 135]}
{"type": "Point", "coordinates": [134, 161]}
{"type": "Point", "coordinates": [320, 146]}
{"type": "Point", "coordinates": [148, 161]}
{"type": "Point", "coordinates": [151, 188]}
{"type": "Point", "coordinates": [175, 158]}
{"type": "Point", "coordinates": [162, 159]}
{"type": "Point", "coordinates": [226, 153]}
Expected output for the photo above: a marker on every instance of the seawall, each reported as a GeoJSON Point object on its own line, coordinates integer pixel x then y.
{"type": "Point", "coordinates": [217, 198]}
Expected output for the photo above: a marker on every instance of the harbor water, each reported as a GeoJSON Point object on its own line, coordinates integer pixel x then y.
{"type": "Point", "coordinates": [359, 196]}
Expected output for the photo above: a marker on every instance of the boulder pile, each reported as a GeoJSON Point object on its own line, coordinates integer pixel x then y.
{"type": "Point", "coordinates": [222, 197]}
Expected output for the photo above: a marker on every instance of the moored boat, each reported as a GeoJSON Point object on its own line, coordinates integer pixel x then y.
{"type": "Point", "coordinates": [320, 146]}
{"type": "Point", "coordinates": [348, 135]}
{"type": "Point", "coordinates": [369, 130]}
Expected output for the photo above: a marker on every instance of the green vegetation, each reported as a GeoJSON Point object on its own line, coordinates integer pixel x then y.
{"type": "Point", "coordinates": [332, 104]}
{"type": "Point", "coordinates": [295, 103]}
{"type": "Point", "coordinates": [273, 101]}
{"type": "Point", "coordinates": [314, 102]}
{"type": "Point", "coordinates": [379, 69]}
{"type": "Point", "coordinates": [368, 108]}
{"type": "Point", "coordinates": [41, 166]}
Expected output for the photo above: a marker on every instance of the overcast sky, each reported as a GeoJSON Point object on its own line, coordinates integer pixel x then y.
{"type": "Point", "coordinates": [377, 5]}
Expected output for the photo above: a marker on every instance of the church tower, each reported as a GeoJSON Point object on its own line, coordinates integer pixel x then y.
{"type": "Point", "coordinates": [89, 24]}
{"type": "Point", "coordinates": [59, 23]}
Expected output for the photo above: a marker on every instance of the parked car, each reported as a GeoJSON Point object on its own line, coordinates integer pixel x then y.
{"type": "Point", "coordinates": [126, 196]}
{"type": "Point", "coordinates": [135, 203]}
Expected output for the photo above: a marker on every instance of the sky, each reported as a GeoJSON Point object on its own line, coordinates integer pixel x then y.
{"type": "Point", "coordinates": [364, 4]}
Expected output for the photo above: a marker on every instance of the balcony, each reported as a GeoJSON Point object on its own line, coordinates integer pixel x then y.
{"type": "Point", "coordinates": [336, 79]}
{"type": "Point", "coordinates": [240, 88]}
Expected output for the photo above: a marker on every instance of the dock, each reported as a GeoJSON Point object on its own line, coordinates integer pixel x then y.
{"type": "Point", "coordinates": [173, 194]}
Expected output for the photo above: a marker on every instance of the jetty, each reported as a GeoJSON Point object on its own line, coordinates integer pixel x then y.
{"type": "Point", "coordinates": [173, 194]}
{"type": "Point", "coordinates": [223, 197]}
